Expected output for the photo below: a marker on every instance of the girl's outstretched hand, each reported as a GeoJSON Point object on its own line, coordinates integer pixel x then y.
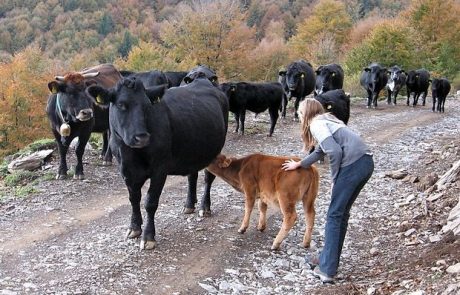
{"type": "Point", "coordinates": [290, 165]}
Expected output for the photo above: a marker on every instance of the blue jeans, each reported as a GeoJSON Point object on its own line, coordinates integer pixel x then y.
{"type": "Point", "coordinates": [348, 184]}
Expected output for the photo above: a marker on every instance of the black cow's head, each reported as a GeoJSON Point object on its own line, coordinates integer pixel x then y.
{"type": "Point", "coordinates": [435, 84]}
{"type": "Point", "coordinates": [412, 77]}
{"type": "Point", "coordinates": [72, 103]}
{"type": "Point", "coordinates": [295, 75]}
{"type": "Point", "coordinates": [130, 105]}
{"type": "Point", "coordinates": [377, 77]}
{"type": "Point", "coordinates": [228, 88]}
{"type": "Point", "coordinates": [195, 72]}
{"type": "Point", "coordinates": [395, 73]}
{"type": "Point", "coordinates": [325, 78]}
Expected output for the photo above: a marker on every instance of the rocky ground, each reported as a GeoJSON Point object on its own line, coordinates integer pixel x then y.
{"type": "Point", "coordinates": [68, 237]}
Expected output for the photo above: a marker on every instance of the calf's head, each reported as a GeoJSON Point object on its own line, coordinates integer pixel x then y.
{"type": "Point", "coordinates": [72, 102]}
{"type": "Point", "coordinates": [130, 106]}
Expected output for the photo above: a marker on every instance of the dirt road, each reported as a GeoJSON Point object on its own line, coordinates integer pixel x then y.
{"type": "Point", "coordinates": [69, 238]}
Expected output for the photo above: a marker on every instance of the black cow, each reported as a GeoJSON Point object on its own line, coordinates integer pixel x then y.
{"type": "Point", "coordinates": [373, 78]}
{"type": "Point", "coordinates": [149, 78]}
{"type": "Point", "coordinates": [417, 82]}
{"type": "Point", "coordinates": [197, 72]}
{"type": "Point", "coordinates": [282, 81]}
{"type": "Point", "coordinates": [255, 97]}
{"type": "Point", "coordinates": [177, 135]}
{"type": "Point", "coordinates": [396, 81]}
{"type": "Point", "coordinates": [300, 81]}
{"type": "Point", "coordinates": [72, 113]}
{"type": "Point", "coordinates": [440, 88]}
{"type": "Point", "coordinates": [328, 77]}
{"type": "Point", "coordinates": [175, 78]}
{"type": "Point", "coordinates": [336, 102]}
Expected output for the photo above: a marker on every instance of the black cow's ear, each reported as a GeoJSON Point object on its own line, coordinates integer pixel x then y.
{"type": "Point", "coordinates": [232, 87]}
{"type": "Point", "coordinates": [155, 93]}
{"type": "Point", "coordinates": [187, 80]}
{"type": "Point", "coordinates": [367, 69]}
{"type": "Point", "coordinates": [282, 73]}
{"type": "Point", "coordinates": [101, 95]}
{"type": "Point", "coordinates": [318, 70]}
{"type": "Point", "coordinates": [55, 87]}
{"type": "Point", "coordinates": [429, 80]}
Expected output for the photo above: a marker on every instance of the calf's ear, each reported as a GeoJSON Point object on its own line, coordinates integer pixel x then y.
{"type": "Point", "coordinates": [101, 95]}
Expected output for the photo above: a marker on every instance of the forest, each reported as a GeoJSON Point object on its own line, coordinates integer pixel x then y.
{"type": "Point", "coordinates": [245, 40]}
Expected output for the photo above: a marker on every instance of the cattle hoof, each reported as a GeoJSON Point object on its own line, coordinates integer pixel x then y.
{"type": "Point", "coordinates": [275, 247]}
{"type": "Point", "coordinates": [106, 163]}
{"type": "Point", "coordinates": [132, 234]}
{"type": "Point", "coordinates": [204, 213]}
{"type": "Point", "coordinates": [79, 177]}
{"type": "Point", "coordinates": [261, 228]}
{"type": "Point", "coordinates": [61, 176]}
{"type": "Point", "coordinates": [188, 210]}
{"type": "Point", "coordinates": [242, 230]}
{"type": "Point", "coordinates": [147, 245]}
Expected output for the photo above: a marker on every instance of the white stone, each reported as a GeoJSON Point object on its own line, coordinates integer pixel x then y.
{"type": "Point", "coordinates": [371, 291]}
{"type": "Point", "coordinates": [208, 288]}
{"type": "Point", "coordinates": [454, 268]}
{"type": "Point", "coordinates": [409, 232]}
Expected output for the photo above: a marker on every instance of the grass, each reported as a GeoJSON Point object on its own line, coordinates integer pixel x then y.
{"type": "Point", "coordinates": [20, 178]}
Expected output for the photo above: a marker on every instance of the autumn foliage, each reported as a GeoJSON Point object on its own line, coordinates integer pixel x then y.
{"type": "Point", "coordinates": [241, 40]}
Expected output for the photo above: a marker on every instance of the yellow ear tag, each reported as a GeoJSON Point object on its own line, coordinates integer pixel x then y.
{"type": "Point", "coordinates": [54, 90]}
{"type": "Point", "coordinates": [329, 107]}
{"type": "Point", "coordinates": [99, 99]}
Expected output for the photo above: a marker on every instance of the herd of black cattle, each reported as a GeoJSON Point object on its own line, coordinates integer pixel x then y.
{"type": "Point", "coordinates": [175, 123]}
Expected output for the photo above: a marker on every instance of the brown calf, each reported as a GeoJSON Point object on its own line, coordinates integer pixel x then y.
{"type": "Point", "coordinates": [261, 176]}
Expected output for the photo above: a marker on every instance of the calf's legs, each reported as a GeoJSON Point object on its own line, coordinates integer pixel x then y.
{"type": "Point", "coordinates": [289, 218]}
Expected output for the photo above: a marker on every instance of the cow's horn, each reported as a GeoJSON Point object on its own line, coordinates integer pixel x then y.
{"type": "Point", "coordinates": [59, 78]}
{"type": "Point", "coordinates": [90, 75]}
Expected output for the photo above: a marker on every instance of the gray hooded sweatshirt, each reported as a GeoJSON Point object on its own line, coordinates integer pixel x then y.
{"type": "Point", "coordinates": [335, 139]}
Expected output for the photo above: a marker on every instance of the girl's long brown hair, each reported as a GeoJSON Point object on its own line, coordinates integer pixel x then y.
{"type": "Point", "coordinates": [308, 109]}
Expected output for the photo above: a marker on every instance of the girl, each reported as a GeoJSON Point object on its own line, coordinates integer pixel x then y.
{"type": "Point", "coordinates": [351, 166]}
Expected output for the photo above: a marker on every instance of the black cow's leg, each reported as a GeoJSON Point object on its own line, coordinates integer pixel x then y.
{"type": "Point", "coordinates": [389, 96]}
{"type": "Point", "coordinates": [273, 119]}
{"type": "Point", "coordinates": [296, 108]}
{"type": "Point", "coordinates": [374, 99]}
{"type": "Point", "coordinates": [82, 141]}
{"type": "Point", "coordinates": [151, 205]}
{"type": "Point", "coordinates": [369, 98]}
{"type": "Point", "coordinates": [62, 171]}
{"type": "Point", "coordinates": [189, 206]}
{"type": "Point", "coordinates": [284, 107]}
{"type": "Point", "coordinates": [434, 104]}
{"type": "Point", "coordinates": [205, 208]}
{"type": "Point", "coordinates": [424, 98]}
{"type": "Point", "coordinates": [134, 190]}
{"type": "Point", "coordinates": [408, 97]}
{"type": "Point", "coordinates": [106, 151]}
{"type": "Point", "coordinates": [395, 95]}
{"type": "Point", "coordinates": [416, 96]}
{"type": "Point", "coordinates": [237, 119]}
{"type": "Point", "coordinates": [242, 119]}
{"type": "Point", "coordinates": [442, 104]}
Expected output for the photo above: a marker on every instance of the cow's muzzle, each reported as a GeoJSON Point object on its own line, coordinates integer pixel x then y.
{"type": "Point", "coordinates": [140, 140]}
{"type": "Point", "coordinates": [85, 115]}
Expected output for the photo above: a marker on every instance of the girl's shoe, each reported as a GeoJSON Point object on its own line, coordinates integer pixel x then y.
{"type": "Point", "coordinates": [322, 276]}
